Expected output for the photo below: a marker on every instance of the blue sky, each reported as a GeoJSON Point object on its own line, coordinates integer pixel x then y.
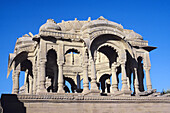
{"type": "Point", "coordinates": [150, 18]}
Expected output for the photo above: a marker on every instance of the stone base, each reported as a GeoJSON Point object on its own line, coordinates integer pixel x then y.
{"type": "Point", "coordinates": [121, 93]}
{"type": "Point", "coordinates": [94, 92]}
{"type": "Point", "coordinates": [126, 93]}
{"type": "Point", "coordinates": [83, 104]}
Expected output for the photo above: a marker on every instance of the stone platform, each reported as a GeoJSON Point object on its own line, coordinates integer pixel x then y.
{"type": "Point", "coordinates": [56, 103]}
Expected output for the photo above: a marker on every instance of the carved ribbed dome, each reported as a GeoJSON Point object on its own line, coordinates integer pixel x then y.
{"type": "Point", "coordinates": [50, 25]}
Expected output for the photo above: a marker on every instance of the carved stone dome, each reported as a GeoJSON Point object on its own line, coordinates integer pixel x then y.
{"type": "Point", "coordinates": [130, 34]}
{"type": "Point", "coordinates": [50, 25]}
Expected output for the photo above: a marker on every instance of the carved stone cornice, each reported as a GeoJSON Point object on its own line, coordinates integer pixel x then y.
{"type": "Point", "coordinates": [88, 98]}
{"type": "Point", "coordinates": [59, 34]}
{"type": "Point", "coordinates": [139, 43]}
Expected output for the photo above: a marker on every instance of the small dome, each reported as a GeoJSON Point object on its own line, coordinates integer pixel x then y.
{"type": "Point", "coordinates": [50, 25]}
{"type": "Point", "coordinates": [130, 34]}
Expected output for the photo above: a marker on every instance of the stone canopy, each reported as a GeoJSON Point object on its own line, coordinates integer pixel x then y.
{"type": "Point", "coordinates": [91, 54]}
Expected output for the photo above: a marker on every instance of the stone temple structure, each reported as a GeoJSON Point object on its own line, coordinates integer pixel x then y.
{"type": "Point", "coordinates": [95, 57]}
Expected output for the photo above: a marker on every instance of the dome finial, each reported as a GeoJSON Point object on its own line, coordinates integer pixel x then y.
{"type": "Point", "coordinates": [89, 19]}
{"type": "Point", "coordinates": [75, 19]}
{"type": "Point", "coordinates": [51, 20]}
{"type": "Point", "coordinates": [101, 18]}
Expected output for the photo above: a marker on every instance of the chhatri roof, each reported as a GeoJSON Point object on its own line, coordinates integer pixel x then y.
{"type": "Point", "coordinates": [77, 26]}
{"type": "Point", "coordinates": [50, 24]}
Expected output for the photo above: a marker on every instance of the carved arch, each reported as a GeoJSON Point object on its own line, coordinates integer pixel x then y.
{"type": "Point", "coordinates": [104, 38]}
{"type": "Point", "coordinates": [74, 50]}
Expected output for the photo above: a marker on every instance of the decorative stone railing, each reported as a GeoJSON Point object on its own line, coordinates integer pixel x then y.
{"type": "Point", "coordinates": [138, 42]}
{"type": "Point", "coordinates": [79, 97]}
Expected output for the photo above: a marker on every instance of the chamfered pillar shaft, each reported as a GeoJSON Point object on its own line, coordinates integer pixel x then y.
{"type": "Point", "coordinates": [85, 79]}
{"type": "Point", "coordinates": [30, 84]}
{"type": "Point", "coordinates": [60, 78]}
{"type": "Point", "coordinates": [42, 77]}
{"type": "Point", "coordinates": [148, 79]}
{"type": "Point", "coordinates": [124, 78]}
{"type": "Point", "coordinates": [15, 77]}
{"type": "Point", "coordinates": [34, 77]}
{"type": "Point", "coordinates": [94, 87]}
{"type": "Point", "coordinates": [34, 84]}
{"type": "Point", "coordinates": [25, 82]}
{"type": "Point", "coordinates": [136, 82]}
{"type": "Point", "coordinates": [114, 80]}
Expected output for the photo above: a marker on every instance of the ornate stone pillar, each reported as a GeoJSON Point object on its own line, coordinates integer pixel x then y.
{"type": "Point", "coordinates": [34, 80]}
{"type": "Point", "coordinates": [124, 77]}
{"type": "Point", "coordinates": [85, 79]}
{"type": "Point", "coordinates": [136, 82]}
{"type": "Point", "coordinates": [38, 74]}
{"type": "Point", "coordinates": [125, 90]}
{"type": "Point", "coordinates": [15, 78]}
{"type": "Point", "coordinates": [148, 79]}
{"type": "Point", "coordinates": [42, 63]}
{"type": "Point", "coordinates": [25, 82]}
{"type": "Point", "coordinates": [42, 77]}
{"type": "Point", "coordinates": [34, 84]}
{"type": "Point", "coordinates": [147, 67]}
{"type": "Point", "coordinates": [34, 75]}
{"type": "Point", "coordinates": [60, 78]}
{"type": "Point", "coordinates": [85, 74]}
{"type": "Point", "coordinates": [30, 84]}
{"type": "Point", "coordinates": [60, 62]}
{"type": "Point", "coordinates": [94, 88]}
{"type": "Point", "coordinates": [114, 86]}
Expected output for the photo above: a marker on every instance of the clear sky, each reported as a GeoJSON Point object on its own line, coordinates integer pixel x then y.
{"type": "Point", "coordinates": [150, 18]}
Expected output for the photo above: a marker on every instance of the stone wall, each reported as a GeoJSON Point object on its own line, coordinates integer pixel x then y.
{"type": "Point", "coordinates": [97, 107]}
{"type": "Point", "coordinates": [83, 104]}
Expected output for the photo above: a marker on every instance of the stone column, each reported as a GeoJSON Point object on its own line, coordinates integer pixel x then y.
{"type": "Point", "coordinates": [42, 77]}
{"type": "Point", "coordinates": [30, 84]}
{"type": "Point", "coordinates": [94, 88]}
{"type": "Point", "coordinates": [114, 86]}
{"type": "Point", "coordinates": [34, 84]}
{"type": "Point", "coordinates": [85, 79]}
{"type": "Point", "coordinates": [85, 72]}
{"type": "Point", "coordinates": [34, 75]}
{"type": "Point", "coordinates": [60, 78]}
{"type": "Point", "coordinates": [34, 79]}
{"type": "Point", "coordinates": [124, 77]}
{"type": "Point", "coordinates": [136, 82]}
{"type": "Point", "coordinates": [147, 67]}
{"type": "Point", "coordinates": [148, 79]}
{"type": "Point", "coordinates": [38, 74]}
{"type": "Point", "coordinates": [15, 77]}
{"type": "Point", "coordinates": [25, 82]}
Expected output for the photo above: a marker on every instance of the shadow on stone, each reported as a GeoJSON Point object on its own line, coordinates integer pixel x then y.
{"type": "Point", "coordinates": [11, 104]}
